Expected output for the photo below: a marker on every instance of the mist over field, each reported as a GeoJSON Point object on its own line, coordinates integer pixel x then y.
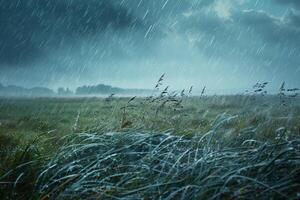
{"type": "Point", "coordinates": [226, 45]}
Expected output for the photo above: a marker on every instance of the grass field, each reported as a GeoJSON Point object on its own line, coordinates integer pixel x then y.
{"type": "Point", "coordinates": [37, 132]}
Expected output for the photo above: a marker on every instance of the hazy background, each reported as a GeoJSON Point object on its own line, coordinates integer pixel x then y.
{"type": "Point", "coordinates": [227, 45]}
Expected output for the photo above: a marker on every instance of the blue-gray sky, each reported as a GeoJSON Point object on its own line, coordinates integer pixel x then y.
{"type": "Point", "coordinates": [223, 44]}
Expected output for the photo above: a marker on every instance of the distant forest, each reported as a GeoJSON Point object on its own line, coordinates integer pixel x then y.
{"type": "Point", "coordinates": [107, 89]}
{"type": "Point", "coordinates": [100, 89]}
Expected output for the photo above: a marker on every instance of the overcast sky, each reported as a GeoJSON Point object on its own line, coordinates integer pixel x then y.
{"type": "Point", "coordinates": [223, 44]}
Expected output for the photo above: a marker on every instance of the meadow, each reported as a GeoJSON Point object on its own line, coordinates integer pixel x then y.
{"type": "Point", "coordinates": [160, 147]}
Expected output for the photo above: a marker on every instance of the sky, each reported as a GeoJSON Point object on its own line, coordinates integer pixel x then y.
{"type": "Point", "coordinates": [225, 45]}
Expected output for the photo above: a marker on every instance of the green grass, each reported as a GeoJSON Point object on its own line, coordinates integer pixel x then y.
{"type": "Point", "coordinates": [32, 130]}
{"type": "Point", "coordinates": [27, 118]}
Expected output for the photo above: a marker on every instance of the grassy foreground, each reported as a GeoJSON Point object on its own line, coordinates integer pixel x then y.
{"type": "Point", "coordinates": [149, 148]}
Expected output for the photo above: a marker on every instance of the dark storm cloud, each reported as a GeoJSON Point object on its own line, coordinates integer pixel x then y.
{"type": "Point", "coordinates": [279, 35]}
{"type": "Point", "coordinates": [246, 29]}
{"type": "Point", "coordinates": [284, 31]}
{"type": "Point", "coordinates": [255, 42]}
{"type": "Point", "coordinates": [295, 3]}
{"type": "Point", "coordinates": [295, 19]}
{"type": "Point", "coordinates": [30, 27]}
{"type": "Point", "coordinates": [122, 42]}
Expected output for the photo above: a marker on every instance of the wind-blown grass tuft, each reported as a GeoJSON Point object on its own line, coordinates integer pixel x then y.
{"type": "Point", "coordinates": [164, 166]}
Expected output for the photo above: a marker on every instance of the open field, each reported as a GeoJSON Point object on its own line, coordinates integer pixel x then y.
{"type": "Point", "coordinates": [35, 134]}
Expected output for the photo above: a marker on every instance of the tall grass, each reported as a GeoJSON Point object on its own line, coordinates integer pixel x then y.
{"type": "Point", "coordinates": [130, 155]}
{"type": "Point", "coordinates": [137, 165]}
{"type": "Point", "coordinates": [19, 167]}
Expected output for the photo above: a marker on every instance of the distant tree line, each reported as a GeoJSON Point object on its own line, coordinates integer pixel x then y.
{"type": "Point", "coordinates": [64, 91]}
{"type": "Point", "coordinates": [12, 90]}
{"type": "Point", "coordinates": [100, 89]}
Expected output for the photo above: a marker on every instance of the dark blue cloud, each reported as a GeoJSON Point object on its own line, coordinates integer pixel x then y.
{"type": "Point", "coordinates": [284, 31]}
{"type": "Point", "coordinates": [29, 27]}
{"type": "Point", "coordinates": [84, 39]}
{"type": "Point", "coordinates": [253, 38]}
{"type": "Point", "coordinates": [294, 3]}
{"type": "Point", "coordinates": [294, 19]}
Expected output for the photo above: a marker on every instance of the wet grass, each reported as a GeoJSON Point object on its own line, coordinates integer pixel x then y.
{"type": "Point", "coordinates": [48, 146]}
{"type": "Point", "coordinates": [163, 166]}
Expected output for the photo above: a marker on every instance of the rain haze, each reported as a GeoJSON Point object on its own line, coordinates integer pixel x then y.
{"type": "Point", "coordinates": [149, 99]}
{"type": "Point", "coordinates": [226, 45]}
